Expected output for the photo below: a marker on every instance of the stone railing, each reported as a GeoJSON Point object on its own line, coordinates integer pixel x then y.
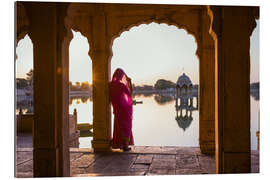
{"type": "Point", "coordinates": [25, 125]}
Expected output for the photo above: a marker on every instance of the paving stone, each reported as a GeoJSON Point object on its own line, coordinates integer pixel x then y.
{"type": "Point", "coordinates": [84, 161]}
{"type": "Point", "coordinates": [189, 171]}
{"type": "Point", "coordinates": [23, 157]}
{"type": "Point", "coordinates": [169, 150]}
{"type": "Point", "coordinates": [186, 151]}
{"type": "Point", "coordinates": [153, 172]}
{"type": "Point", "coordinates": [138, 149]}
{"type": "Point", "coordinates": [126, 173]}
{"type": "Point", "coordinates": [207, 163]}
{"type": "Point", "coordinates": [144, 159]}
{"type": "Point", "coordinates": [140, 166]}
{"type": "Point", "coordinates": [102, 161]}
{"type": "Point", "coordinates": [147, 149]}
{"type": "Point", "coordinates": [154, 161]}
{"type": "Point", "coordinates": [255, 158]}
{"type": "Point", "coordinates": [82, 150]}
{"type": "Point", "coordinates": [153, 149]}
{"type": "Point", "coordinates": [164, 156]}
{"type": "Point", "coordinates": [185, 162]}
{"type": "Point", "coordinates": [74, 156]}
{"type": "Point", "coordinates": [255, 161]}
{"type": "Point", "coordinates": [121, 163]}
{"type": "Point", "coordinates": [24, 175]}
{"type": "Point", "coordinates": [24, 149]}
{"type": "Point", "coordinates": [255, 168]}
{"type": "Point", "coordinates": [26, 167]}
{"type": "Point", "coordinates": [76, 170]}
{"type": "Point", "coordinates": [163, 164]}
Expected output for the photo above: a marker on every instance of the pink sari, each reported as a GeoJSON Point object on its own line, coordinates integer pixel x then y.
{"type": "Point", "coordinates": [121, 100]}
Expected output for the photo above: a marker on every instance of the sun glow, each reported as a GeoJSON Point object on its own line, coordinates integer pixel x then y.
{"type": "Point", "coordinates": [80, 64]}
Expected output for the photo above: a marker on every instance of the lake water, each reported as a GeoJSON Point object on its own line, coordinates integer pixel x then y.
{"type": "Point", "coordinates": [155, 124]}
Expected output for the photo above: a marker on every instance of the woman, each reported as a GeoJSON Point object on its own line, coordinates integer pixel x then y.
{"type": "Point", "coordinates": [121, 99]}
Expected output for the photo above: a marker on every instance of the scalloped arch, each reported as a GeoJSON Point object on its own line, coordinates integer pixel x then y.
{"type": "Point", "coordinates": [127, 27]}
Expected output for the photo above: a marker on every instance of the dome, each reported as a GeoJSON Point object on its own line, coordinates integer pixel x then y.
{"type": "Point", "coordinates": [184, 121]}
{"type": "Point", "coordinates": [184, 80]}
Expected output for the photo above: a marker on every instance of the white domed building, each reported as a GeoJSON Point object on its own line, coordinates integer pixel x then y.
{"type": "Point", "coordinates": [184, 84]}
{"type": "Point", "coordinates": [183, 93]}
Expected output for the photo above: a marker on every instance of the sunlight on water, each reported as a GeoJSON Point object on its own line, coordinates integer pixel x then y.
{"type": "Point", "coordinates": [84, 115]}
{"type": "Point", "coordinates": [254, 124]}
{"type": "Point", "coordinates": [154, 124]}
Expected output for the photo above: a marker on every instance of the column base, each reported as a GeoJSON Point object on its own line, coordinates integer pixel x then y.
{"type": "Point", "coordinates": [236, 162]}
{"type": "Point", "coordinates": [207, 147]}
{"type": "Point", "coordinates": [101, 145]}
{"type": "Point", "coordinates": [46, 161]}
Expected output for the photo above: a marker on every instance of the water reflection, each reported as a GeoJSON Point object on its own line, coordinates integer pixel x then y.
{"type": "Point", "coordinates": [183, 119]}
{"type": "Point", "coordinates": [79, 99]}
{"type": "Point", "coordinates": [163, 99]}
{"type": "Point", "coordinates": [179, 124]}
{"type": "Point", "coordinates": [184, 105]}
{"type": "Point", "coordinates": [26, 109]}
{"type": "Point", "coordinates": [255, 93]}
{"type": "Point", "coordinates": [167, 123]}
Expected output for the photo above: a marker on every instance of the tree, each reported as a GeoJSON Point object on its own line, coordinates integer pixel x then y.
{"type": "Point", "coordinates": [29, 76]}
{"type": "Point", "coordinates": [85, 86]}
{"type": "Point", "coordinates": [164, 84]}
{"type": "Point", "coordinates": [71, 87]}
{"type": "Point", "coordinates": [148, 87]}
{"type": "Point", "coordinates": [21, 83]}
{"type": "Point", "coordinates": [77, 84]}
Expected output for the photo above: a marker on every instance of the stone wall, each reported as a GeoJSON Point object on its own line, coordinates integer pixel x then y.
{"type": "Point", "coordinates": [24, 124]}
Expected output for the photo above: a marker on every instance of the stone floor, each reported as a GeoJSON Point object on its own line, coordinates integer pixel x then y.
{"type": "Point", "coordinates": [142, 160]}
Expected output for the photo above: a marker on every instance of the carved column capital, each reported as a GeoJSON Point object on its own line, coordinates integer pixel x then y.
{"type": "Point", "coordinates": [22, 22]}
{"type": "Point", "coordinates": [254, 14]}
{"type": "Point", "coordinates": [218, 14]}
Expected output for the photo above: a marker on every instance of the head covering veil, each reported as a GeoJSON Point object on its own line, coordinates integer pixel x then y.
{"type": "Point", "coordinates": [120, 97]}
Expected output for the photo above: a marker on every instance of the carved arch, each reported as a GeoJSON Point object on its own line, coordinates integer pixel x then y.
{"type": "Point", "coordinates": [128, 26]}
{"type": "Point", "coordinates": [121, 17]}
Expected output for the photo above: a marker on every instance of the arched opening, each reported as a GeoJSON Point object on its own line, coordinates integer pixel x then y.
{"type": "Point", "coordinates": [24, 100]}
{"type": "Point", "coordinates": [80, 88]}
{"type": "Point", "coordinates": [24, 76]}
{"type": "Point", "coordinates": [254, 89]}
{"type": "Point", "coordinates": [24, 94]}
{"type": "Point", "coordinates": [154, 55]}
{"type": "Point", "coordinates": [101, 21]}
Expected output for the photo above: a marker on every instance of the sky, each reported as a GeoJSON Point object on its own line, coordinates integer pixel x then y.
{"type": "Point", "coordinates": [145, 52]}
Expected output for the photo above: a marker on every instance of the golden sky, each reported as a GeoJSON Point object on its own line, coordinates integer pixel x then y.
{"type": "Point", "coordinates": [146, 53]}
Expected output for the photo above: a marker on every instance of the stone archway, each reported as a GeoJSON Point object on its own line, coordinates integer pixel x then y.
{"type": "Point", "coordinates": [102, 23]}
{"type": "Point", "coordinates": [227, 76]}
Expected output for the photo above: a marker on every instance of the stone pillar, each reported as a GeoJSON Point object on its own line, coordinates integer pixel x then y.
{"type": "Point", "coordinates": [47, 30]}
{"type": "Point", "coordinates": [100, 53]}
{"type": "Point", "coordinates": [231, 29]}
{"type": "Point", "coordinates": [206, 54]}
